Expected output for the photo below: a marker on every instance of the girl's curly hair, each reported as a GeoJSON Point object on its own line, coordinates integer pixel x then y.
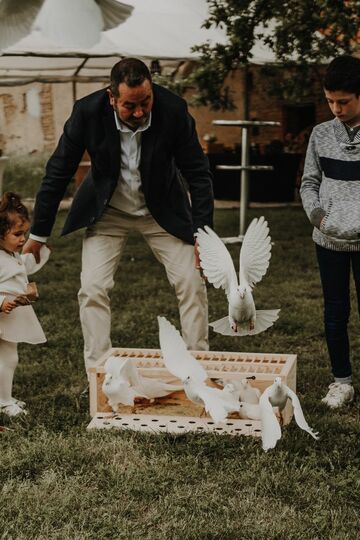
{"type": "Point", "coordinates": [11, 208]}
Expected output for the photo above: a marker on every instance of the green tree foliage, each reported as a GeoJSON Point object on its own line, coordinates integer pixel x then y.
{"type": "Point", "coordinates": [302, 34]}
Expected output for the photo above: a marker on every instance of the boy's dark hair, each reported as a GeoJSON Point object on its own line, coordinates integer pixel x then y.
{"type": "Point", "coordinates": [11, 208]}
{"type": "Point", "coordinates": [131, 71]}
{"type": "Point", "coordinates": [343, 73]}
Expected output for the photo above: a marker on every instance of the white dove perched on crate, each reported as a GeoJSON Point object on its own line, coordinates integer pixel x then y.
{"type": "Point", "coordinates": [245, 392]}
{"type": "Point", "coordinates": [243, 319]}
{"type": "Point", "coordinates": [181, 363]}
{"type": "Point", "coordinates": [276, 395]}
{"type": "Point", "coordinates": [123, 383]}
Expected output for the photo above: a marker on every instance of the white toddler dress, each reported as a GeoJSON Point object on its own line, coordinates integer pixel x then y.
{"type": "Point", "coordinates": [21, 324]}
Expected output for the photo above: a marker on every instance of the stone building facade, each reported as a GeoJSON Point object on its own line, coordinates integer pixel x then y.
{"type": "Point", "coordinates": [26, 128]}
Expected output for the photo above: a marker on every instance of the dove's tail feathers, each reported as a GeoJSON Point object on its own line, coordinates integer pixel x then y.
{"type": "Point", "coordinates": [222, 326]}
{"type": "Point", "coordinates": [264, 319]}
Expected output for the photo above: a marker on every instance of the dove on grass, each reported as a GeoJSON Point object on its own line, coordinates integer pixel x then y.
{"type": "Point", "coordinates": [123, 383]}
{"type": "Point", "coordinates": [276, 395]}
{"type": "Point", "coordinates": [243, 318]}
{"type": "Point", "coordinates": [181, 363]}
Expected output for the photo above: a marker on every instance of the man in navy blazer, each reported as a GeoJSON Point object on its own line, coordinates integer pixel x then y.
{"type": "Point", "coordinates": [148, 173]}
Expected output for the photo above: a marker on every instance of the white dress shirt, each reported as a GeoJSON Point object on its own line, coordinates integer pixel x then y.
{"type": "Point", "coordinates": [128, 195]}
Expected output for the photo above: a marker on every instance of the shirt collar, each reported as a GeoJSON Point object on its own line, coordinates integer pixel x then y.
{"type": "Point", "coordinates": [125, 129]}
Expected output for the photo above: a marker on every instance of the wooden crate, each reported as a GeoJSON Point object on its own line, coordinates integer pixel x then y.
{"type": "Point", "coordinates": [175, 413]}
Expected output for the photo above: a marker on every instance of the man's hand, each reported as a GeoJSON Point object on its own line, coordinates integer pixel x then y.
{"type": "Point", "coordinates": [197, 261]}
{"type": "Point", "coordinates": [7, 306]}
{"type": "Point", "coordinates": [197, 256]}
{"type": "Point", "coordinates": [33, 246]}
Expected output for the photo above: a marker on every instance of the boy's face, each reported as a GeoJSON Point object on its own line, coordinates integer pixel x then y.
{"type": "Point", "coordinates": [345, 106]}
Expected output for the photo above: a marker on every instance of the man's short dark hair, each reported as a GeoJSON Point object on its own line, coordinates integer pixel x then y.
{"type": "Point", "coordinates": [131, 71]}
{"type": "Point", "coordinates": [343, 73]}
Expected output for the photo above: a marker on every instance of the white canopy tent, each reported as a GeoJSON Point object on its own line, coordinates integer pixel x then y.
{"type": "Point", "coordinates": [157, 29]}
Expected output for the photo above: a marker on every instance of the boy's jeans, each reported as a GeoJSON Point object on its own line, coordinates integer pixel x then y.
{"type": "Point", "coordinates": [335, 267]}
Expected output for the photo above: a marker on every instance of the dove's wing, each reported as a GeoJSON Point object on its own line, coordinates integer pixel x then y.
{"type": "Point", "coordinates": [215, 260]}
{"type": "Point", "coordinates": [129, 371]}
{"type": "Point", "coordinates": [16, 19]}
{"type": "Point", "coordinates": [114, 12]}
{"type": "Point", "coordinates": [154, 388]}
{"type": "Point", "coordinates": [298, 413]}
{"type": "Point", "coordinates": [178, 360]}
{"type": "Point", "coordinates": [264, 319]}
{"type": "Point", "coordinates": [270, 428]}
{"type": "Point", "coordinates": [255, 252]}
{"type": "Point", "coordinates": [216, 403]}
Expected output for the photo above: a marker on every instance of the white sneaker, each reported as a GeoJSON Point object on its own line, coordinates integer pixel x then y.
{"type": "Point", "coordinates": [339, 394]}
{"type": "Point", "coordinates": [12, 409]}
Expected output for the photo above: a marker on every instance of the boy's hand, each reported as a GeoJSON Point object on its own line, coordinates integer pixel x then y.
{"type": "Point", "coordinates": [8, 305]}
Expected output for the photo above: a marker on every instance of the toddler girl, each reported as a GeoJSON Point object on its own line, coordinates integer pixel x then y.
{"type": "Point", "coordinates": [18, 323]}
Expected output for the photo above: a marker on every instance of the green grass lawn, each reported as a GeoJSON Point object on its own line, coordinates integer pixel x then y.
{"type": "Point", "coordinates": [59, 481]}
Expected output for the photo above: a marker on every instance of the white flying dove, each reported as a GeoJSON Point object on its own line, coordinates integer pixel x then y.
{"type": "Point", "coordinates": [276, 395]}
{"type": "Point", "coordinates": [243, 319]}
{"type": "Point", "coordinates": [181, 363]}
{"type": "Point", "coordinates": [123, 383]}
{"type": "Point", "coordinates": [68, 23]}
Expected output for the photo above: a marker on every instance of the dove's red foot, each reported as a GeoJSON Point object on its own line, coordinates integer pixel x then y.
{"type": "Point", "coordinates": [233, 326]}
{"type": "Point", "coordinates": [251, 325]}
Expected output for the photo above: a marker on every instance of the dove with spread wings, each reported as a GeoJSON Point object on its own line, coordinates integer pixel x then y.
{"type": "Point", "coordinates": [181, 363]}
{"type": "Point", "coordinates": [243, 318]}
{"type": "Point", "coordinates": [277, 395]}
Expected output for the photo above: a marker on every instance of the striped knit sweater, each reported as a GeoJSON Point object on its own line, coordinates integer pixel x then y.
{"type": "Point", "coordinates": [330, 187]}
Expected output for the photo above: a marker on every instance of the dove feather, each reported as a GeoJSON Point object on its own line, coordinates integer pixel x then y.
{"type": "Point", "coordinates": [178, 360]}
{"type": "Point", "coordinates": [216, 403]}
{"type": "Point", "coordinates": [255, 252]}
{"type": "Point", "coordinates": [270, 428]}
{"type": "Point", "coordinates": [264, 319]}
{"type": "Point", "coordinates": [122, 368]}
{"type": "Point", "coordinates": [113, 12]}
{"type": "Point", "coordinates": [298, 413]}
{"type": "Point", "coordinates": [16, 19]}
{"type": "Point", "coordinates": [216, 260]}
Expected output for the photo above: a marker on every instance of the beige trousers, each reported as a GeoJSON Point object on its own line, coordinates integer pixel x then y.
{"type": "Point", "coordinates": [102, 248]}
{"type": "Point", "coordinates": [8, 363]}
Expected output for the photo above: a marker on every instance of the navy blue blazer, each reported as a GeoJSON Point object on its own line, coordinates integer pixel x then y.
{"type": "Point", "coordinates": [169, 146]}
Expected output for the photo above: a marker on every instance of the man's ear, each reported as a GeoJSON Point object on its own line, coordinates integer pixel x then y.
{"type": "Point", "coordinates": [111, 97]}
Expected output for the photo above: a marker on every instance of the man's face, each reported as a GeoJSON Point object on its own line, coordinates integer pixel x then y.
{"type": "Point", "coordinates": [133, 105]}
{"type": "Point", "coordinates": [345, 106]}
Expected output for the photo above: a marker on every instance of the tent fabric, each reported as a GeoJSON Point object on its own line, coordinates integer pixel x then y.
{"type": "Point", "coordinates": [156, 29]}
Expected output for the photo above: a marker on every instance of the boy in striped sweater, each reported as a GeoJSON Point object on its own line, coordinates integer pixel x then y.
{"type": "Point", "coordinates": [330, 193]}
